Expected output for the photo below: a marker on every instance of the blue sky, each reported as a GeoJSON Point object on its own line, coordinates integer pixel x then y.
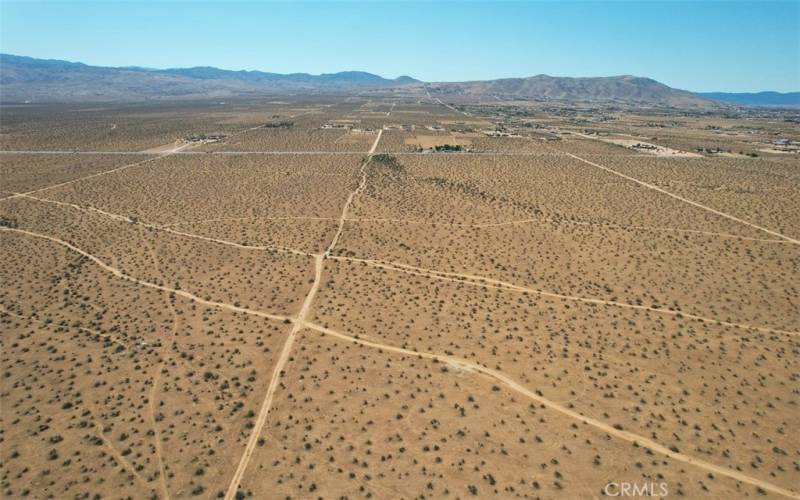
{"type": "Point", "coordinates": [700, 46]}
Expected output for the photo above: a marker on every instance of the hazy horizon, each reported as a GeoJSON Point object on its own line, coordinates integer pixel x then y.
{"type": "Point", "coordinates": [697, 46]}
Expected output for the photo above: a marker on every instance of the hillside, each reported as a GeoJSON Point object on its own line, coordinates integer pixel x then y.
{"type": "Point", "coordinates": [46, 80]}
{"type": "Point", "coordinates": [622, 89]}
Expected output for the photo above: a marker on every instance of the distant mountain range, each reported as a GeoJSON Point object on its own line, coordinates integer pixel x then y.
{"type": "Point", "coordinates": [756, 98]}
{"type": "Point", "coordinates": [30, 79]}
{"type": "Point", "coordinates": [27, 79]}
{"type": "Point", "coordinates": [612, 89]}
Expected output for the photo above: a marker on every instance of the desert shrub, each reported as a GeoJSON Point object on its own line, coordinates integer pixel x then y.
{"type": "Point", "coordinates": [388, 161]}
{"type": "Point", "coordinates": [8, 222]}
{"type": "Point", "coordinates": [281, 124]}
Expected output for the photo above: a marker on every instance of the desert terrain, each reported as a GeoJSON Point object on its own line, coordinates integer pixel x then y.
{"type": "Point", "coordinates": [396, 295]}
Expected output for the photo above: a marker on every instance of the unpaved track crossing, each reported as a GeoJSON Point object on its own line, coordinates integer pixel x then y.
{"type": "Point", "coordinates": [608, 429]}
{"type": "Point", "coordinates": [277, 373]}
{"type": "Point", "coordinates": [169, 227]}
{"type": "Point", "coordinates": [300, 321]}
{"type": "Point", "coordinates": [300, 324]}
{"type": "Point", "coordinates": [155, 379]}
{"type": "Point", "coordinates": [116, 272]}
{"type": "Point", "coordinates": [469, 279]}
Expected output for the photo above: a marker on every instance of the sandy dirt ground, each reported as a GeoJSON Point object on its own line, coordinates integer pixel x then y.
{"type": "Point", "coordinates": [300, 312]}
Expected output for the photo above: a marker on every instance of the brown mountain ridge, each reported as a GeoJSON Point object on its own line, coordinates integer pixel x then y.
{"type": "Point", "coordinates": [26, 79]}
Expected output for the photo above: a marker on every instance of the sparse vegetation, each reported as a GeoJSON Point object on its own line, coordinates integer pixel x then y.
{"type": "Point", "coordinates": [146, 370]}
{"type": "Point", "coordinates": [280, 124]}
{"type": "Point", "coordinates": [387, 161]}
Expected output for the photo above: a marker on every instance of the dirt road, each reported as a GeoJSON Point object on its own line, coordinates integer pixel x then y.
{"type": "Point", "coordinates": [116, 272]}
{"type": "Point", "coordinates": [156, 227]}
{"type": "Point", "coordinates": [608, 429]}
{"type": "Point", "coordinates": [155, 378]}
{"type": "Point", "coordinates": [299, 324]}
{"type": "Point", "coordinates": [482, 281]}
{"type": "Point", "coordinates": [685, 200]}
{"type": "Point", "coordinates": [468, 279]}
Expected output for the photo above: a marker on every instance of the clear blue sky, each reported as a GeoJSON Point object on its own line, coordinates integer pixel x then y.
{"type": "Point", "coordinates": [700, 46]}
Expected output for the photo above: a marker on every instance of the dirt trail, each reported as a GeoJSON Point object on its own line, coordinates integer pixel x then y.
{"type": "Point", "coordinates": [452, 107]}
{"type": "Point", "coordinates": [346, 208]}
{"type": "Point", "coordinates": [98, 174]}
{"type": "Point", "coordinates": [375, 144]}
{"type": "Point", "coordinates": [173, 147]}
{"type": "Point", "coordinates": [685, 200]}
{"type": "Point", "coordinates": [471, 279]}
{"type": "Point", "coordinates": [176, 149]}
{"type": "Point", "coordinates": [328, 152]}
{"type": "Point", "coordinates": [637, 228]}
{"type": "Point", "coordinates": [95, 333]}
{"type": "Point", "coordinates": [705, 233]}
{"type": "Point", "coordinates": [237, 219]}
{"type": "Point", "coordinates": [468, 279]}
{"type": "Point", "coordinates": [277, 373]}
{"type": "Point", "coordinates": [299, 324]}
{"type": "Point", "coordinates": [156, 378]}
{"type": "Point", "coordinates": [70, 152]}
{"type": "Point", "coordinates": [124, 218]}
{"type": "Point", "coordinates": [116, 272]}
{"type": "Point", "coordinates": [115, 452]}
{"type": "Point", "coordinates": [457, 362]}
{"type": "Point", "coordinates": [482, 225]}
{"type": "Point", "coordinates": [441, 275]}
{"type": "Point", "coordinates": [608, 429]}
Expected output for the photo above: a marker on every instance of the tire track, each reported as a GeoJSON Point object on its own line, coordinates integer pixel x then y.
{"type": "Point", "coordinates": [119, 274]}
{"type": "Point", "coordinates": [118, 457]}
{"type": "Point", "coordinates": [608, 429]}
{"type": "Point", "coordinates": [685, 200]}
{"type": "Point", "coordinates": [156, 227]}
{"type": "Point", "coordinates": [156, 378]}
{"type": "Point", "coordinates": [456, 362]}
{"type": "Point", "coordinates": [299, 324]}
{"type": "Point", "coordinates": [481, 281]}
{"type": "Point", "coordinates": [469, 279]}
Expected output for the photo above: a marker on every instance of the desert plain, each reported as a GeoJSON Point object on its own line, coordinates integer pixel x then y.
{"type": "Point", "coordinates": [396, 296]}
